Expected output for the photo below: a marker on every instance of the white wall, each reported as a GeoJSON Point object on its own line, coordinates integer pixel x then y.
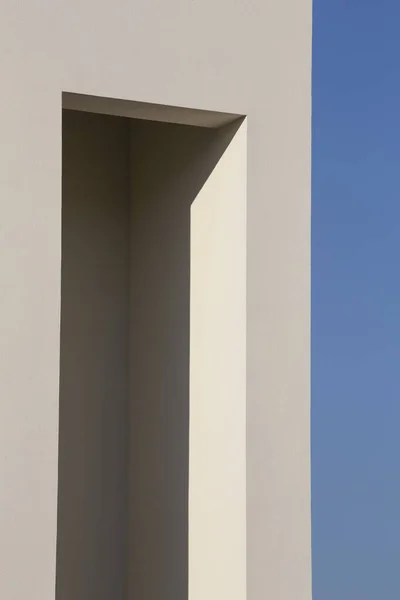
{"type": "Point", "coordinates": [251, 58]}
{"type": "Point", "coordinates": [217, 466]}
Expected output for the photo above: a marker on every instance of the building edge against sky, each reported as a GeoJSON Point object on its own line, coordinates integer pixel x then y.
{"type": "Point", "coordinates": [246, 58]}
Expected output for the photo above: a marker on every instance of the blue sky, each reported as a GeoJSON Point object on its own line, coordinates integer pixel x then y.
{"type": "Point", "coordinates": [356, 300]}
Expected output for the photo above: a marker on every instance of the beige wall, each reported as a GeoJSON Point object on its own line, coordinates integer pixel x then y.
{"type": "Point", "coordinates": [257, 62]}
{"type": "Point", "coordinates": [217, 439]}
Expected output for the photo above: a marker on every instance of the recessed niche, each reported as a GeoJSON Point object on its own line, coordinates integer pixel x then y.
{"type": "Point", "coordinates": [128, 190]}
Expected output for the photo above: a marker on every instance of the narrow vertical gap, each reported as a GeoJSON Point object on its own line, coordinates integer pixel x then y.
{"type": "Point", "coordinates": [128, 188]}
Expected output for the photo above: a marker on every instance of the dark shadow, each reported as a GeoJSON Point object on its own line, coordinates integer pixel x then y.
{"type": "Point", "coordinates": [124, 388]}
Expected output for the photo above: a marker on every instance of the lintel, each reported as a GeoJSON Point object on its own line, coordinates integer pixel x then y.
{"type": "Point", "coordinates": [147, 111]}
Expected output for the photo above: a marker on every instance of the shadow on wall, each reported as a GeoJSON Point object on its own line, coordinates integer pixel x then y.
{"type": "Point", "coordinates": [127, 188]}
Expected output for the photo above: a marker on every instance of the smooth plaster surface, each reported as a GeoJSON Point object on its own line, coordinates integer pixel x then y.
{"type": "Point", "coordinates": [217, 439]}
{"type": "Point", "coordinates": [251, 58]}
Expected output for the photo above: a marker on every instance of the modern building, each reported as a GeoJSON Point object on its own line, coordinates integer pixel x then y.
{"type": "Point", "coordinates": [155, 300]}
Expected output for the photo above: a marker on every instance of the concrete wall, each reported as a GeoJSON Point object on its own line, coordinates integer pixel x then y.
{"type": "Point", "coordinates": [250, 58]}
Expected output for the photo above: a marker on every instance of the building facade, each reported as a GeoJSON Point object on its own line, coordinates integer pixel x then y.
{"type": "Point", "coordinates": [155, 300]}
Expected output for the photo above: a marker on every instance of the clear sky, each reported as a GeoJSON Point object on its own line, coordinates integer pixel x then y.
{"type": "Point", "coordinates": [356, 300]}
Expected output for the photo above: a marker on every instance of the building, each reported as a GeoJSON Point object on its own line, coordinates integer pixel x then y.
{"type": "Point", "coordinates": [155, 193]}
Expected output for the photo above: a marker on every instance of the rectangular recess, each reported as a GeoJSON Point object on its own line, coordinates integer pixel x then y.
{"type": "Point", "coordinates": [152, 329]}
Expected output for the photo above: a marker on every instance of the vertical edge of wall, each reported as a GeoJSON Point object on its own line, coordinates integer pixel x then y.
{"type": "Point", "coordinates": [217, 446]}
{"type": "Point", "coordinates": [30, 254]}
